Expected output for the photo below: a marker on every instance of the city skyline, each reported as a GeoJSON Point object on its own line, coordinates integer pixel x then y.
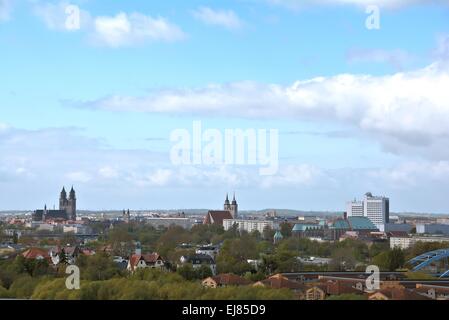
{"type": "Point", "coordinates": [357, 110]}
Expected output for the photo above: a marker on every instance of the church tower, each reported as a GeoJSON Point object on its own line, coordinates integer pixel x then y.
{"type": "Point", "coordinates": [71, 205]}
{"type": "Point", "coordinates": [234, 208]}
{"type": "Point", "coordinates": [126, 216]}
{"type": "Point", "coordinates": [227, 204]}
{"type": "Point", "coordinates": [63, 200]}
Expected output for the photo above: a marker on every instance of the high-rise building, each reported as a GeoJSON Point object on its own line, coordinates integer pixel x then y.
{"type": "Point", "coordinates": [354, 208]}
{"type": "Point", "coordinates": [377, 209]}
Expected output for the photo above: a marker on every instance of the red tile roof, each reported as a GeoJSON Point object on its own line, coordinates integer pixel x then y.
{"type": "Point", "coordinates": [217, 217]}
{"type": "Point", "coordinates": [401, 294]}
{"type": "Point", "coordinates": [278, 281]}
{"type": "Point", "coordinates": [400, 234]}
{"type": "Point", "coordinates": [35, 253]}
{"type": "Point", "coordinates": [228, 279]}
{"type": "Point", "coordinates": [150, 258]}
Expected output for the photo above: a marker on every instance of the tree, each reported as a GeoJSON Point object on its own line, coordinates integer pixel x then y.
{"type": "Point", "coordinates": [203, 272]}
{"type": "Point", "coordinates": [396, 259]}
{"type": "Point", "coordinates": [343, 259]}
{"type": "Point", "coordinates": [390, 260]}
{"type": "Point", "coordinates": [235, 253]}
{"type": "Point", "coordinates": [187, 271]}
{"type": "Point", "coordinates": [268, 233]}
{"type": "Point", "coordinates": [97, 267]}
{"type": "Point", "coordinates": [255, 234]}
{"type": "Point", "coordinates": [286, 229]}
{"type": "Point", "coordinates": [15, 238]}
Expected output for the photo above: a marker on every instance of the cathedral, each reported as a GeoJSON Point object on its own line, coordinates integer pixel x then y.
{"type": "Point", "coordinates": [232, 207]}
{"type": "Point", "coordinates": [67, 208]}
{"type": "Point", "coordinates": [230, 212]}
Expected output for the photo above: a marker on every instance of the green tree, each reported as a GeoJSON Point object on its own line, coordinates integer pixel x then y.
{"type": "Point", "coordinates": [390, 260]}
{"type": "Point", "coordinates": [15, 238]}
{"type": "Point", "coordinates": [97, 267]}
{"type": "Point", "coordinates": [203, 272]}
{"type": "Point", "coordinates": [187, 271]}
{"type": "Point", "coordinates": [347, 296]}
{"type": "Point", "coordinates": [286, 229]}
{"type": "Point", "coordinates": [268, 233]}
{"type": "Point", "coordinates": [343, 259]}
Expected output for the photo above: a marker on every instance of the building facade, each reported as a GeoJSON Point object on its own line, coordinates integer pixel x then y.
{"type": "Point", "coordinates": [232, 207]}
{"type": "Point", "coordinates": [67, 208]}
{"type": "Point", "coordinates": [407, 242]}
{"type": "Point", "coordinates": [355, 209]}
{"type": "Point", "coordinates": [433, 228]}
{"type": "Point", "coordinates": [375, 208]}
{"type": "Point", "coordinates": [250, 225]}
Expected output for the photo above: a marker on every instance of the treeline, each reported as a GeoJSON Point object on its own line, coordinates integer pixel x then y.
{"type": "Point", "coordinates": [147, 284]}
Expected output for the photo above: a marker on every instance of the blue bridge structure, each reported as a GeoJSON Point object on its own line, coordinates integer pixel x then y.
{"type": "Point", "coordinates": [424, 260]}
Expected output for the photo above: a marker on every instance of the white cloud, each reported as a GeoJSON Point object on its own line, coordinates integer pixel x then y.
{"type": "Point", "coordinates": [135, 28]}
{"type": "Point", "coordinates": [5, 9]}
{"type": "Point", "coordinates": [442, 51]}
{"type": "Point", "coordinates": [112, 178]}
{"type": "Point", "coordinates": [410, 107]}
{"type": "Point", "coordinates": [294, 175]}
{"type": "Point", "coordinates": [57, 17]}
{"type": "Point", "coordinates": [224, 18]}
{"type": "Point", "coordinates": [412, 174]}
{"type": "Point", "coordinates": [78, 176]}
{"type": "Point", "coordinates": [108, 172]}
{"type": "Point", "coordinates": [122, 29]}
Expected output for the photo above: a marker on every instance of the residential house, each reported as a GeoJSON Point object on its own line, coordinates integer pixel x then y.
{"type": "Point", "coordinates": [435, 292]}
{"type": "Point", "coordinates": [36, 254]}
{"type": "Point", "coordinates": [223, 280]}
{"type": "Point", "coordinates": [315, 292]}
{"type": "Point", "coordinates": [70, 253]}
{"type": "Point", "coordinates": [278, 281]}
{"type": "Point", "coordinates": [152, 260]}
{"type": "Point", "coordinates": [397, 293]}
{"type": "Point", "coordinates": [209, 250]}
{"type": "Point", "coordinates": [198, 260]}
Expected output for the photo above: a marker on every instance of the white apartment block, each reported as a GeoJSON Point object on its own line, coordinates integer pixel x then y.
{"type": "Point", "coordinates": [377, 209]}
{"type": "Point", "coordinates": [185, 223]}
{"type": "Point", "coordinates": [355, 209]}
{"type": "Point", "coordinates": [250, 225]}
{"type": "Point", "coordinates": [407, 242]}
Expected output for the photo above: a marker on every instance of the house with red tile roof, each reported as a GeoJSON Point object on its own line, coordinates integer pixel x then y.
{"type": "Point", "coordinates": [36, 254]}
{"type": "Point", "coordinates": [278, 281]}
{"type": "Point", "coordinates": [152, 260]}
{"type": "Point", "coordinates": [397, 293]}
{"type": "Point", "coordinates": [432, 291]}
{"type": "Point", "coordinates": [225, 279]}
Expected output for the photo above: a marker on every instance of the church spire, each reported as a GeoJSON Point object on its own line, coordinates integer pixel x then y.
{"type": "Point", "coordinates": [63, 193]}
{"type": "Point", "coordinates": [72, 194]}
{"type": "Point", "coordinates": [227, 199]}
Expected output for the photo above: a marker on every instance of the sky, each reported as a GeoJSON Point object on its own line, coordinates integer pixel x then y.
{"type": "Point", "coordinates": [91, 91]}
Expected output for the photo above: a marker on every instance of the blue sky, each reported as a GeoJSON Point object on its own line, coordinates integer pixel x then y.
{"type": "Point", "coordinates": [357, 109]}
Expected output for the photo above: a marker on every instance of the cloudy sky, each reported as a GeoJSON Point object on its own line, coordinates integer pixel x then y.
{"type": "Point", "coordinates": [94, 104]}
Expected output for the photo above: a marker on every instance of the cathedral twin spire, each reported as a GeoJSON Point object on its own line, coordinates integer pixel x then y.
{"type": "Point", "coordinates": [232, 207]}
{"type": "Point", "coordinates": [72, 194]}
